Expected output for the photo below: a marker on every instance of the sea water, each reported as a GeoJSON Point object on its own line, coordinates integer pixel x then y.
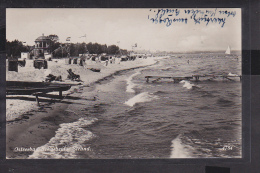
{"type": "Point", "coordinates": [131, 118]}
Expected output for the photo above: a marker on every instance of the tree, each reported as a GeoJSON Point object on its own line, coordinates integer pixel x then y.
{"type": "Point", "coordinates": [54, 37]}
{"type": "Point", "coordinates": [15, 48]}
{"type": "Point", "coordinates": [54, 44]}
{"type": "Point", "coordinates": [113, 49]}
{"type": "Point", "coordinates": [97, 48]}
{"type": "Point", "coordinates": [104, 48]}
{"type": "Point", "coordinates": [82, 48]}
{"type": "Point", "coordinates": [90, 48]}
{"type": "Point", "coordinates": [74, 50]}
{"type": "Point", "coordinates": [123, 51]}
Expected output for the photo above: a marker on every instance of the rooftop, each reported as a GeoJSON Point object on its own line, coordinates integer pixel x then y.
{"type": "Point", "coordinates": [42, 38]}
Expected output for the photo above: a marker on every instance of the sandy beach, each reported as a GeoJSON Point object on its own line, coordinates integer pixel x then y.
{"type": "Point", "coordinates": [30, 126]}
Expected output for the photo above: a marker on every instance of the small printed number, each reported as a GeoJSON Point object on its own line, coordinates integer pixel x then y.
{"type": "Point", "coordinates": [227, 147]}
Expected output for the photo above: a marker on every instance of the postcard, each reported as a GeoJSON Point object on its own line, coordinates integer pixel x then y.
{"type": "Point", "coordinates": [123, 83]}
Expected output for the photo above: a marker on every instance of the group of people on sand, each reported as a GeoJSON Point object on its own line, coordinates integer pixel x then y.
{"type": "Point", "coordinates": [102, 59]}
{"type": "Point", "coordinates": [111, 59]}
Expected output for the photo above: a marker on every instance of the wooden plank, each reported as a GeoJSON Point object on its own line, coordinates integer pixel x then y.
{"type": "Point", "coordinates": [157, 77]}
{"type": "Point", "coordinates": [25, 90]}
{"type": "Point", "coordinates": [34, 88]}
{"type": "Point", "coordinates": [26, 84]}
{"type": "Point", "coordinates": [30, 91]}
{"type": "Point", "coordinates": [156, 80]}
{"type": "Point", "coordinates": [211, 75]}
{"type": "Point", "coordinates": [182, 78]}
{"type": "Point", "coordinates": [170, 77]}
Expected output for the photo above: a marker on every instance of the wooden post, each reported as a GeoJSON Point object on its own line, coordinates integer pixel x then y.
{"type": "Point", "coordinates": [37, 100]}
{"type": "Point", "coordinates": [60, 93]}
{"type": "Point", "coordinates": [177, 80]}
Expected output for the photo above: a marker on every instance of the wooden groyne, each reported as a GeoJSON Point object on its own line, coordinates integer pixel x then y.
{"type": "Point", "coordinates": [211, 77]}
{"type": "Point", "coordinates": [34, 88]}
{"type": "Point", "coordinates": [175, 79]}
{"type": "Point", "coordinates": [195, 77]}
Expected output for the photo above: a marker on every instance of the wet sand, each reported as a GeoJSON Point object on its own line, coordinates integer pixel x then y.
{"type": "Point", "coordinates": [35, 131]}
{"type": "Point", "coordinates": [37, 127]}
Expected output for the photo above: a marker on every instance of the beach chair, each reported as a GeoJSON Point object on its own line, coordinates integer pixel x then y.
{"type": "Point", "coordinates": [73, 76]}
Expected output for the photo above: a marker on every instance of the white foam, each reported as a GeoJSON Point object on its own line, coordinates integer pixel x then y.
{"type": "Point", "coordinates": [142, 97]}
{"type": "Point", "coordinates": [67, 141]}
{"type": "Point", "coordinates": [187, 84]}
{"type": "Point", "coordinates": [178, 150]}
{"type": "Point", "coordinates": [130, 84]}
{"type": "Point", "coordinates": [230, 74]}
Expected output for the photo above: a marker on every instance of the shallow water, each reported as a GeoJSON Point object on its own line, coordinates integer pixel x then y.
{"type": "Point", "coordinates": [134, 119]}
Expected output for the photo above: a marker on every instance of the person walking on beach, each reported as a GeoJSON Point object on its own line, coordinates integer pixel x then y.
{"type": "Point", "coordinates": [106, 62]}
{"type": "Point", "coordinates": [96, 59]}
{"type": "Point", "coordinates": [82, 60]}
{"type": "Point", "coordinates": [114, 60]}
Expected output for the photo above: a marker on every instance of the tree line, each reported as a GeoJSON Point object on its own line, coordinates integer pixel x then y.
{"type": "Point", "coordinates": [14, 48]}
{"type": "Point", "coordinates": [58, 49]}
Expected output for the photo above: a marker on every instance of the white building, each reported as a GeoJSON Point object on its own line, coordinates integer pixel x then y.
{"type": "Point", "coordinates": [25, 55]}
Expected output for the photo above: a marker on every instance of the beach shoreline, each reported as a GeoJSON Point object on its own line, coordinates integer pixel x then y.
{"type": "Point", "coordinates": [36, 126]}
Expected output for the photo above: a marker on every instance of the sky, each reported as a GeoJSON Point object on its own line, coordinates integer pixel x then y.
{"type": "Point", "coordinates": [125, 27]}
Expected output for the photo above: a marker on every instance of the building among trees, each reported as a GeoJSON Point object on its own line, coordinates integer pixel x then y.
{"type": "Point", "coordinates": [42, 44]}
{"type": "Point", "coordinates": [49, 46]}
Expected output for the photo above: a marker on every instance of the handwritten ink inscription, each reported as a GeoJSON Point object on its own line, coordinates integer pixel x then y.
{"type": "Point", "coordinates": [206, 16]}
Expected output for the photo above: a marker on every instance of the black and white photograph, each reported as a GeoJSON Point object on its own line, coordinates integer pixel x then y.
{"type": "Point", "coordinates": [132, 83]}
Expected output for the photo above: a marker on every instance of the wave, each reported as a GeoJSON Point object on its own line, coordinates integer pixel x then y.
{"type": "Point", "coordinates": [231, 74]}
{"type": "Point", "coordinates": [224, 102]}
{"type": "Point", "coordinates": [167, 69]}
{"type": "Point", "coordinates": [191, 147]}
{"type": "Point", "coordinates": [179, 150]}
{"type": "Point", "coordinates": [187, 84]}
{"type": "Point", "coordinates": [68, 140]}
{"type": "Point", "coordinates": [142, 97]}
{"type": "Point", "coordinates": [130, 84]}
{"type": "Point", "coordinates": [161, 92]}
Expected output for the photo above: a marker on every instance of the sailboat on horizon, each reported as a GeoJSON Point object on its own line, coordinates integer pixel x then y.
{"type": "Point", "coordinates": [228, 51]}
